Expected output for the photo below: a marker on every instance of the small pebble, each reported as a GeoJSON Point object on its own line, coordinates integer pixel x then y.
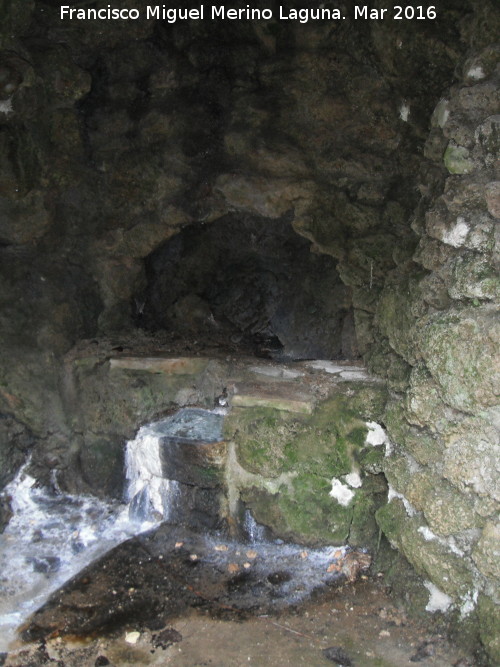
{"type": "Point", "coordinates": [101, 660]}
{"type": "Point", "coordinates": [132, 637]}
{"type": "Point", "coordinates": [338, 655]}
{"type": "Point", "coordinates": [221, 547]}
{"type": "Point", "coordinates": [333, 567]}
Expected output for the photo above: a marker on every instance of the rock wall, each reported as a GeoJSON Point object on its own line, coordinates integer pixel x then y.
{"type": "Point", "coordinates": [377, 140]}
{"type": "Point", "coordinates": [444, 467]}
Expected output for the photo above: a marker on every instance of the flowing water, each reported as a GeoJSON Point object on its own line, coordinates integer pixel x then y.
{"type": "Point", "coordinates": [49, 539]}
{"type": "Point", "coordinates": [52, 536]}
{"type": "Point", "coordinates": [150, 494]}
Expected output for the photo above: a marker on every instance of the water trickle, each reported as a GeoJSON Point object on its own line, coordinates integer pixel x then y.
{"type": "Point", "coordinates": [54, 535]}
{"type": "Point", "coordinates": [253, 531]}
{"type": "Point", "coordinates": [152, 492]}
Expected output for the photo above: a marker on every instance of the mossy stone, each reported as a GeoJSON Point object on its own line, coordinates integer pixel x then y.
{"type": "Point", "coordinates": [446, 510]}
{"type": "Point", "coordinates": [457, 159]}
{"type": "Point", "coordinates": [430, 557]}
{"type": "Point", "coordinates": [489, 627]}
{"type": "Point", "coordinates": [269, 442]}
{"type": "Point", "coordinates": [460, 349]}
{"type": "Point", "coordinates": [364, 530]}
{"type": "Point", "coordinates": [487, 551]}
{"type": "Point", "coordinates": [371, 459]}
{"type": "Point", "coordinates": [264, 438]}
{"type": "Point", "coordinates": [399, 471]}
{"type": "Point", "coordinates": [426, 448]}
{"type": "Point", "coordinates": [305, 513]}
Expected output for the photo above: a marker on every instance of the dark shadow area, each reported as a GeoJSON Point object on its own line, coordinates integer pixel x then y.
{"type": "Point", "coordinates": [249, 281]}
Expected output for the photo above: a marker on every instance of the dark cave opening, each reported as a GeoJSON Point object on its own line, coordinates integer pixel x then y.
{"type": "Point", "coordinates": [252, 283]}
{"type": "Point", "coordinates": [296, 222]}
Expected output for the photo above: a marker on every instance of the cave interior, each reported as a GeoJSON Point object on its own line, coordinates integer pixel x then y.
{"type": "Point", "coordinates": [236, 193]}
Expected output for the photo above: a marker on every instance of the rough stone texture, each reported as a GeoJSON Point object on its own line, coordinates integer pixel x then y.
{"type": "Point", "coordinates": [264, 292]}
{"type": "Point", "coordinates": [431, 558]}
{"type": "Point", "coordinates": [450, 480]}
{"type": "Point", "coordinates": [489, 627]}
{"type": "Point", "coordinates": [15, 442]}
{"type": "Point", "coordinates": [294, 459]}
{"type": "Point", "coordinates": [487, 551]}
{"type": "Point", "coordinates": [376, 140]}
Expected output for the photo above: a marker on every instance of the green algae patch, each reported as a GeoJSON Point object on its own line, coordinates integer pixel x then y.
{"type": "Point", "coordinates": [269, 442]}
{"type": "Point", "coordinates": [316, 449]}
{"type": "Point", "coordinates": [264, 439]}
{"type": "Point", "coordinates": [310, 512]}
{"type": "Point", "coordinates": [364, 530]}
{"type": "Point", "coordinates": [304, 513]}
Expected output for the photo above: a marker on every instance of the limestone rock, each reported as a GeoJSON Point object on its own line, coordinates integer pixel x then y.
{"type": "Point", "coordinates": [487, 551]}
{"type": "Point", "coordinates": [489, 626]}
{"type": "Point", "coordinates": [461, 352]}
{"type": "Point", "coordinates": [471, 458]}
{"type": "Point", "coordinates": [431, 557]}
{"type": "Point", "coordinates": [493, 198]}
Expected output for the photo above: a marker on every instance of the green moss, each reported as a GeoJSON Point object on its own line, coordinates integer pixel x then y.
{"type": "Point", "coordinates": [264, 439]}
{"type": "Point", "coordinates": [371, 459]}
{"type": "Point", "coordinates": [358, 436]}
{"type": "Point", "coordinates": [314, 448]}
{"type": "Point", "coordinates": [310, 513]}
{"type": "Point", "coordinates": [489, 627]}
{"type": "Point", "coordinates": [364, 530]}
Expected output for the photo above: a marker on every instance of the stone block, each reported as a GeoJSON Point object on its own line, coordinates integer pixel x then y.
{"type": "Point", "coordinates": [179, 366]}
{"type": "Point", "coordinates": [471, 458]}
{"type": "Point", "coordinates": [486, 554]}
{"type": "Point", "coordinates": [430, 556]}
{"type": "Point", "coordinates": [462, 352]}
{"type": "Point", "coordinates": [446, 510]}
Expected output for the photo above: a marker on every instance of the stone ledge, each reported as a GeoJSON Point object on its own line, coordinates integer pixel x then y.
{"type": "Point", "coordinates": [280, 398]}
{"type": "Point", "coordinates": [176, 366]}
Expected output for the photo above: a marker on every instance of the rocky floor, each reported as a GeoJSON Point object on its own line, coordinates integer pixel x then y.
{"type": "Point", "coordinates": [356, 624]}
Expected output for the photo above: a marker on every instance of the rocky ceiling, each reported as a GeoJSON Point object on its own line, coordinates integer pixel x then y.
{"type": "Point", "coordinates": [124, 144]}
{"type": "Point", "coordinates": [117, 135]}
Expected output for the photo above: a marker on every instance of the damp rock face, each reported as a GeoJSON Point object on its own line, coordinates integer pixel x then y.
{"type": "Point", "coordinates": [375, 141]}
{"type": "Point", "coordinates": [311, 478]}
{"type": "Point", "coordinates": [176, 469]}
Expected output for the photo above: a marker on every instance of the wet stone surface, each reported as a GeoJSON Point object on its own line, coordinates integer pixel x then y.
{"type": "Point", "coordinates": [356, 622]}
{"type": "Point", "coordinates": [157, 576]}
